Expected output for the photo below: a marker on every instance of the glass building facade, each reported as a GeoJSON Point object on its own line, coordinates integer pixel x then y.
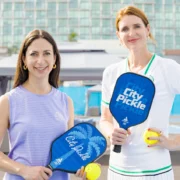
{"type": "Point", "coordinates": [90, 19]}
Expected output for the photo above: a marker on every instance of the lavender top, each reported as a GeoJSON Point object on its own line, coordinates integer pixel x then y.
{"type": "Point", "coordinates": [35, 121]}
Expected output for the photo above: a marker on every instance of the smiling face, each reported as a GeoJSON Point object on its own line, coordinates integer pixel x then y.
{"type": "Point", "coordinates": [39, 59]}
{"type": "Point", "coordinates": [132, 32]}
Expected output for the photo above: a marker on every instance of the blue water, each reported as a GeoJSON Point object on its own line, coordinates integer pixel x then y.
{"type": "Point", "coordinates": [78, 95]}
{"type": "Point", "coordinates": [176, 106]}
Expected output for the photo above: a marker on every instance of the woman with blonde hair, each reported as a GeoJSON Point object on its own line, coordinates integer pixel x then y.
{"type": "Point", "coordinates": [137, 160]}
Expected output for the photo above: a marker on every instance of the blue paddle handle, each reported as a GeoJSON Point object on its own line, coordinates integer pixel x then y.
{"type": "Point", "coordinates": [117, 148]}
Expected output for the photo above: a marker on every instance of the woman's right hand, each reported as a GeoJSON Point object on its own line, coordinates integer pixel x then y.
{"type": "Point", "coordinates": [119, 136]}
{"type": "Point", "coordinates": [36, 173]}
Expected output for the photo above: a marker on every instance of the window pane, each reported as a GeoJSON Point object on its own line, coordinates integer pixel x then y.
{"type": "Point", "coordinates": [63, 38]}
{"type": "Point", "coordinates": [73, 14]}
{"type": "Point", "coordinates": [85, 14]}
{"type": "Point", "coordinates": [95, 22]}
{"type": "Point", "coordinates": [18, 6]}
{"type": "Point", "coordinates": [168, 1]}
{"type": "Point", "coordinates": [29, 5]}
{"type": "Point", "coordinates": [84, 21]}
{"type": "Point", "coordinates": [177, 39]}
{"type": "Point", "coordinates": [62, 14]}
{"type": "Point", "coordinates": [63, 30]}
{"type": "Point", "coordinates": [40, 14]}
{"type": "Point", "coordinates": [29, 14]}
{"type": "Point", "coordinates": [116, 7]}
{"type": "Point", "coordinates": [85, 5]}
{"type": "Point", "coordinates": [177, 15]}
{"type": "Point", "coordinates": [105, 36]}
{"type": "Point", "coordinates": [95, 6]}
{"type": "Point", "coordinates": [7, 14]}
{"type": "Point", "coordinates": [18, 22]}
{"type": "Point", "coordinates": [52, 30]}
{"type": "Point", "coordinates": [73, 4]}
{"type": "Point", "coordinates": [96, 30]}
{"type": "Point", "coordinates": [177, 8]}
{"type": "Point", "coordinates": [73, 21]}
{"type": "Point", "coordinates": [40, 5]}
{"type": "Point", "coordinates": [168, 8]}
{"type": "Point", "coordinates": [84, 30]}
{"type": "Point", "coordinates": [63, 22]}
{"type": "Point", "coordinates": [7, 30]}
{"type": "Point", "coordinates": [62, 6]}
{"type": "Point", "coordinates": [18, 39]}
{"type": "Point", "coordinates": [51, 22]}
{"type": "Point", "coordinates": [51, 13]}
{"type": "Point", "coordinates": [168, 32]}
{"type": "Point", "coordinates": [7, 40]}
{"type": "Point", "coordinates": [169, 23]}
{"type": "Point", "coordinates": [148, 8]}
{"type": "Point", "coordinates": [106, 9]}
{"type": "Point", "coordinates": [30, 22]}
{"type": "Point", "coordinates": [52, 6]}
{"type": "Point", "coordinates": [96, 36]}
{"type": "Point", "coordinates": [28, 29]}
{"type": "Point", "coordinates": [106, 22]}
{"type": "Point", "coordinates": [84, 36]}
{"type": "Point", "coordinates": [18, 14]}
{"type": "Point", "coordinates": [18, 30]}
{"type": "Point", "coordinates": [7, 22]}
{"type": "Point", "coordinates": [41, 22]}
{"type": "Point", "coordinates": [106, 30]}
{"type": "Point", "coordinates": [96, 13]}
{"type": "Point", "coordinates": [74, 29]}
{"type": "Point", "coordinates": [177, 24]}
{"type": "Point", "coordinates": [168, 39]}
{"type": "Point", "coordinates": [7, 6]}
{"type": "Point", "coordinates": [159, 8]}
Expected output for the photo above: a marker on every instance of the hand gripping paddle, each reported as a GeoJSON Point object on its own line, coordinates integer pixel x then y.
{"type": "Point", "coordinates": [77, 147]}
{"type": "Point", "coordinates": [131, 100]}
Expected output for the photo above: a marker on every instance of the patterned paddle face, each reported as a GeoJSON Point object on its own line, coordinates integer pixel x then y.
{"type": "Point", "coordinates": [77, 147]}
{"type": "Point", "coordinates": [131, 100]}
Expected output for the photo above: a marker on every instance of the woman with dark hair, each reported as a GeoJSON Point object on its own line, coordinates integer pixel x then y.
{"type": "Point", "coordinates": [34, 112]}
{"type": "Point", "coordinates": [137, 160]}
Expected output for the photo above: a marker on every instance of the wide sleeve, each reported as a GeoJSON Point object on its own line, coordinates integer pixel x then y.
{"type": "Point", "coordinates": [172, 71]}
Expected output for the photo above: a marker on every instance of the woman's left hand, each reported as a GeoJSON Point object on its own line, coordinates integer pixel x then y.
{"type": "Point", "coordinates": [81, 173]}
{"type": "Point", "coordinates": [162, 140]}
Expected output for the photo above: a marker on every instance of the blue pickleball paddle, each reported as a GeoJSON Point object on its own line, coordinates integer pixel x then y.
{"type": "Point", "coordinates": [77, 147]}
{"type": "Point", "coordinates": [131, 100]}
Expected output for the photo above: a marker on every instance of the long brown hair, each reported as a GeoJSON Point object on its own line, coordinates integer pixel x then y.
{"type": "Point", "coordinates": [21, 75]}
{"type": "Point", "coordinates": [132, 10]}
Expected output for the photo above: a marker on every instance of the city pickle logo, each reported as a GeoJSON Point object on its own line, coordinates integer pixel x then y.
{"type": "Point", "coordinates": [131, 98]}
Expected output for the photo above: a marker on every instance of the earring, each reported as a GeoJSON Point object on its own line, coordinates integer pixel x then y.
{"type": "Point", "coordinates": [54, 66]}
{"type": "Point", "coordinates": [25, 67]}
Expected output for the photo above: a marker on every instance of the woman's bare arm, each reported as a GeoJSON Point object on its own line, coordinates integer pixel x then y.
{"type": "Point", "coordinates": [106, 121]}
{"type": "Point", "coordinates": [71, 113]}
{"type": "Point", "coordinates": [6, 164]}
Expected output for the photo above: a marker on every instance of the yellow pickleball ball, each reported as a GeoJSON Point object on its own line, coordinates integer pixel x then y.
{"type": "Point", "coordinates": [93, 171]}
{"type": "Point", "coordinates": [148, 134]}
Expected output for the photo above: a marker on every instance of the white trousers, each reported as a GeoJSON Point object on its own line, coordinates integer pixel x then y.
{"type": "Point", "coordinates": [165, 176]}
